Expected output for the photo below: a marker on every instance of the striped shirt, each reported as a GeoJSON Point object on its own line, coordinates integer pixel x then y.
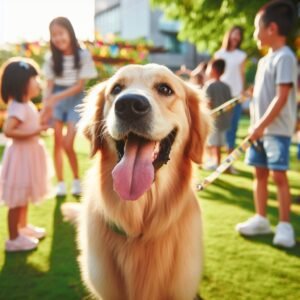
{"type": "Point", "coordinates": [70, 74]}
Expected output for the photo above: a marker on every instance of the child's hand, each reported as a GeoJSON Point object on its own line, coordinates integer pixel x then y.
{"type": "Point", "coordinates": [49, 101]}
{"type": "Point", "coordinates": [46, 114]}
{"type": "Point", "coordinates": [256, 133]}
{"type": "Point", "coordinates": [248, 93]}
{"type": "Point", "coordinates": [41, 128]}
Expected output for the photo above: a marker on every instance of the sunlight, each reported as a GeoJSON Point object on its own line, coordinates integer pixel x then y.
{"type": "Point", "coordinates": [28, 20]}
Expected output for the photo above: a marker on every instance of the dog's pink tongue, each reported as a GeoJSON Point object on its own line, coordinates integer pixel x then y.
{"type": "Point", "coordinates": [134, 174]}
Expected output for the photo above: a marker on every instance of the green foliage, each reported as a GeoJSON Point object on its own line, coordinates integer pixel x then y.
{"type": "Point", "coordinates": [204, 22]}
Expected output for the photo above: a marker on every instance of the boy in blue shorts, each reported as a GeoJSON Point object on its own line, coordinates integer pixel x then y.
{"type": "Point", "coordinates": [273, 118]}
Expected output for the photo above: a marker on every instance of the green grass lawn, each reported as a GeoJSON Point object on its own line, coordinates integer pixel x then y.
{"type": "Point", "coordinates": [235, 267]}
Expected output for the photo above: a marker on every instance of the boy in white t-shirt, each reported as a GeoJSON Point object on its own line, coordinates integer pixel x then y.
{"type": "Point", "coordinates": [273, 117]}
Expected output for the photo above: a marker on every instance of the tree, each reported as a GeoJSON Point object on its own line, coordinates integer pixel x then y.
{"type": "Point", "coordinates": [204, 22]}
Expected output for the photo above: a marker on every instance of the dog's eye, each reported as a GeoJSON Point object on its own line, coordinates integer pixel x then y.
{"type": "Point", "coordinates": [116, 89]}
{"type": "Point", "coordinates": [164, 89]}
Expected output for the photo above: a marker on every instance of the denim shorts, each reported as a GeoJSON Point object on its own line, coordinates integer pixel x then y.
{"type": "Point", "coordinates": [65, 110]}
{"type": "Point", "coordinates": [272, 152]}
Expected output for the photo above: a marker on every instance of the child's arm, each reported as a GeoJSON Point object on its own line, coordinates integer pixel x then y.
{"type": "Point", "coordinates": [272, 112]}
{"type": "Point", "coordinates": [11, 129]}
{"type": "Point", "coordinates": [208, 103]}
{"type": "Point", "coordinates": [49, 89]}
{"type": "Point", "coordinates": [51, 99]}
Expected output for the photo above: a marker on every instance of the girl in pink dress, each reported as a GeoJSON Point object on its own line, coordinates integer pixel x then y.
{"type": "Point", "coordinates": [25, 169]}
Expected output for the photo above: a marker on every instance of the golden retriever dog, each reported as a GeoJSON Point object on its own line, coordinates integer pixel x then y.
{"type": "Point", "coordinates": [140, 226]}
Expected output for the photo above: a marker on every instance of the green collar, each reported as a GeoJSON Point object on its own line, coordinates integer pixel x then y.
{"type": "Point", "coordinates": [117, 229]}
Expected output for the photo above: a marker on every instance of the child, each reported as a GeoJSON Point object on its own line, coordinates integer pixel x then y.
{"type": "Point", "coordinates": [197, 76]}
{"type": "Point", "coordinates": [184, 73]}
{"type": "Point", "coordinates": [273, 118]}
{"type": "Point", "coordinates": [217, 93]}
{"type": "Point", "coordinates": [24, 175]}
{"type": "Point", "coordinates": [234, 76]}
{"type": "Point", "coordinates": [66, 71]}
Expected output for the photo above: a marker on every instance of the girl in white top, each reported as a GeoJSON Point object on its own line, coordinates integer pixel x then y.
{"type": "Point", "coordinates": [234, 76]}
{"type": "Point", "coordinates": [66, 71]}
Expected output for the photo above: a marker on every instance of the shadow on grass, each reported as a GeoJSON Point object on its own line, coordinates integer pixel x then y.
{"type": "Point", "coordinates": [268, 240]}
{"type": "Point", "coordinates": [226, 191]}
{"type": "Point", "coordinates": [64, 269]}
{"type": "Point", "coordinates": [48, 275]}
{"type": "Point", "coordinates": [14, 270]}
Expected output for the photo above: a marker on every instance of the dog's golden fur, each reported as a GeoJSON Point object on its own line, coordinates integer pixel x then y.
{"type": "Point", "coordinates": [157, 253]}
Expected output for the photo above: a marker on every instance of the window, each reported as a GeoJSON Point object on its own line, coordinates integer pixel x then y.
{"type": "Point", "coordinates": [169, 30]}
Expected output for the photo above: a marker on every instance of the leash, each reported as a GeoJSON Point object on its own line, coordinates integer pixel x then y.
{"type": "Point", "coordinates": [228, 105]}
{"type": "Point", "coordinates": [234, 155]}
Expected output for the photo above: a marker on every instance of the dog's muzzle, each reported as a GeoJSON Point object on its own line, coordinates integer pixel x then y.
{"type": "Point", "coordinates": [140, 156]}
{"type": "Point", "coordinates": [131, 107]}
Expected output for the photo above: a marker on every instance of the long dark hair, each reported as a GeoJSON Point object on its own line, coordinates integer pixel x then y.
{"type": "Point", "coordinates": [57, 55]}
{"type": "Point", "coordinates": [226, 39]}
{"type": "Point", "coordinates": [16, 73]}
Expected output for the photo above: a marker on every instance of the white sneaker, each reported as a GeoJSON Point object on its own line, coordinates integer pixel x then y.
{"type": "Point", "coordinates": [33, 231]}
{"type": "Point", "coordinates": [284, 235]}
{"type": "Point", "coordinates": [21, 243]}
{"type": "Point", "coordinates": [210, 167]}
{"type": "Point", "coordinates": [254, 226]}
{"type": "Point", "coordinates": [61, 189]}
{"type": "Point", "coordinates": [76, 187]}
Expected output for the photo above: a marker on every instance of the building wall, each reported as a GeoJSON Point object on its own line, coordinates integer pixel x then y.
{"type": "Point", "coordinates": [101, 5]}
{"type": "Point", "coordinates": [164, 33]}
{"type": "Point", "coordinates": [108, 16]}
{"type": "Point", "coordinates": [135, 20]}
{"type": "Point", "coordinates": [132, 19]}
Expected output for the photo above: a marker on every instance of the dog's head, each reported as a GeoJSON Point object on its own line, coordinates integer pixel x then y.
{"type": "Point", "coordinates": [146, 115]}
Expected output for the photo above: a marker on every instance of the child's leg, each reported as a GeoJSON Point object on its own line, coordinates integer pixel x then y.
{"type": "Point", "coordinates": [28, 230]}
{"type": "Point", "coordinates": [69, 148]}
{"type": "Point", "coordinates": [260, 190]}
{"type": "Point", "coordinates": [58, 149]}
{"type": "Point", "coordinates": [257, 224]}
{"type": "Point", "coordinates": [208, 152]}
{"type": "Point", "coordinates": [13, 222]}
{"type": "Point", "coordinates": [219, 155]}
{"type": "Point", "coordinates": [216, 154]}
{"type": "Point", "coordinates": [283, 195]}
{"type": "Point", "coordinates": [23, 216]}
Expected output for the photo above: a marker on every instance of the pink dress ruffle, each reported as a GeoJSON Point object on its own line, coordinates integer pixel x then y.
{"type": "Point", "coordinates": [26, 167]}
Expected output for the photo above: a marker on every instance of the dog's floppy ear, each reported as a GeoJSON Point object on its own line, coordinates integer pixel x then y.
{"type": "Point", "coordinates": [200, 124]}
{"type": "Point", "coordinates": [92, 121]}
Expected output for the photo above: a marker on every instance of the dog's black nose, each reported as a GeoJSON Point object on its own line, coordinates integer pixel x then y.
{"type": "Point", "coordinates": [132, 106]}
